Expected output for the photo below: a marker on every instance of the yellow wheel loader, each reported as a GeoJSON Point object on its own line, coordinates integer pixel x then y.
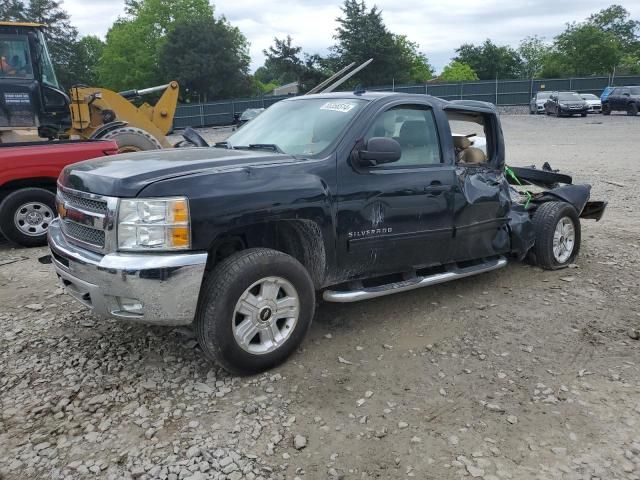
{"type": "Point", "coordinates": [33, 107]}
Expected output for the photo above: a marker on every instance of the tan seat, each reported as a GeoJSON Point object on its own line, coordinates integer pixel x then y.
{"type": "Point", "coordinates": [472, 155]}
{"type": "Point", "coordinates": [460, 143]}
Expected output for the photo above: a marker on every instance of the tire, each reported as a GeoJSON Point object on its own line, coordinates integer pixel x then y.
{"type": "Point", "coordinates": [606, 109]}
{"type": "Point", "coordinates": [25, 216]}
{"type": "Point", "coordinates": [551, 251]}
{"type": "Point", "coordinates": [583, 114]}
{"type": "Point", "coordinates": [132, 139]}
{"type": "Point", "coordinates": [558, 114]}
{"type": "Point", "coordinates": [632, 109]}
{"type": "Point", "coordinates": [219, 322]}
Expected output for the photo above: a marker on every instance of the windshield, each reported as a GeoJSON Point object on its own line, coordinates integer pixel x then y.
{"type": "Point", "coordinates": [543, 95]}
{"type": "Point", "coordinates": [566, 96]}
{"type": "Point", "coordinates": [589, 96]}
{"type": "Point", "coordinates": [15, 61]}
{"type": "Point", "coordinates": [46, 67]}
{"type": "Point", "coordinates": [299, 127]}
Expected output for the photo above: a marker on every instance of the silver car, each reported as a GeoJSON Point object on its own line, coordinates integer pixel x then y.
{"type": "Point", "coordinates": [595, 105]}
{"type": "Point", "coordinates": [536, 105]}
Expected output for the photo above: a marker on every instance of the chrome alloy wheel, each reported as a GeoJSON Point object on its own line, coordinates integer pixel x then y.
{"type": "Point", "coordinates": [564, 240]}
{"type": "Point", "coordinates": [265, 315]}
{"type": "Point", "coordinates": [33, 218]}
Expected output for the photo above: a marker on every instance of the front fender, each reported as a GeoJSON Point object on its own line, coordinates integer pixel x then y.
{"type": "Point", "coordinates": [227, 201]}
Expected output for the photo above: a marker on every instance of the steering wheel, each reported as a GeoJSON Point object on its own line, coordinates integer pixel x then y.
{"type": "Point", "coordinates": [193, 137]}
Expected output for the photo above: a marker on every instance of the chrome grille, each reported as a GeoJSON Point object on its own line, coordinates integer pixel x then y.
{"type": "Point", "coordinates": [84, 234]}
{"type": "Point", "coordinates": [98, 206]}
{"type": "Point", "coordinates": [87, 219]}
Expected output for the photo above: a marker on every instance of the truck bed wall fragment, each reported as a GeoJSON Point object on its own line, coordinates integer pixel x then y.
{"type": "Point", "coordinates": [576, 195]}
{"type": "Point", "coordinates": [486, 196]}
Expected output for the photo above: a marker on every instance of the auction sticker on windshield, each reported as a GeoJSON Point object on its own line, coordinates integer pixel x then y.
{"type": "Point", "coordinates": [343, 107]}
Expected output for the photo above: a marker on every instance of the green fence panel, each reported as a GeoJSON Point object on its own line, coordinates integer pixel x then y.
{"type": "Point", "coordinates": [500, 92]}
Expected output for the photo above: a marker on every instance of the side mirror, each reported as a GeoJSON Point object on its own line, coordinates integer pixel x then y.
{"type": "Point", "coordinates": [379, 150]}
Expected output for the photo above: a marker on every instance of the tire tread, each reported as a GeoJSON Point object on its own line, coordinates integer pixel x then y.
{"type": "Point", "coordinates": [545, 220]}
{"type": "Point", "coordinates": [218, 283]}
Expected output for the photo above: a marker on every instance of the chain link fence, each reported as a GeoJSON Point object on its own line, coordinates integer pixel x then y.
{"type": "Point", "coordinates": [498, 92]}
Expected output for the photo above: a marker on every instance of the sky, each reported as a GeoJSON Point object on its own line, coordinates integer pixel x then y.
{"type": "Point", "coordinates": [439, 27]}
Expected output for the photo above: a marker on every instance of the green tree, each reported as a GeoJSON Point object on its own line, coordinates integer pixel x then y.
{"type": "Point", "coordinates": [283, 63]}
{"type": "Point", "coordinates": [83, 68]}
{"type": "Point", "coordinates": [629, 65]}
{"type": "Point", "coordinates": [532, 52]}
{"type": "Point", "coordinates": [554, 65]}
{"type": "Point", "coordinates": [208, 56]}
{"type": "Point", "coordinates": [420, 68]}
{"type": "Point", "coordinates": [490, 61]}
{"type": "Point", "coordinates": [458, 72]}
{"type": "Point", "coordinates": [588, 50]}
{"type": "Point", "coordinates": [131, 55]}
{"type": "Point", "coordinates": [12, 10]}
{"type": "Point", "coordinates": [361, 34]}
{"type": "Point", "coordinates": [617, 21]}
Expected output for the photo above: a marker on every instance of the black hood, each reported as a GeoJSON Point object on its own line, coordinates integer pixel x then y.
{"type": "Point", "coordinates": [126, 174]}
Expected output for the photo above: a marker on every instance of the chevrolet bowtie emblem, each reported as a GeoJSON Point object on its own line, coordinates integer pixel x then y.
{"type": "Point", "coordinates": [62, 210]}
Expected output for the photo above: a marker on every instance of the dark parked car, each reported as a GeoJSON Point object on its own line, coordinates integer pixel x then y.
{"type": "Point", "coordinates": [625, 99]}
{"type": "Point", "coordinates": [343, 196]}
{"type": "Point", "coordinates": [566, 103]}
{"type": "Point", "coordinates": [536, 105]}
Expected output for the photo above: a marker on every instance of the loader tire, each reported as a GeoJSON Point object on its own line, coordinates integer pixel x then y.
{"type": "Point", "coordinates": [132, 139]}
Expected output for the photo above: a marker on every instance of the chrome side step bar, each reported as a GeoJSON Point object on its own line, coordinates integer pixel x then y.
{"type": "Point", "coordinates": [452, 273]}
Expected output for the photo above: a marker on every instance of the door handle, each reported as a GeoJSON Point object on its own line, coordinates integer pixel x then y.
{"type": "Point", "coordinates": [436, 188]}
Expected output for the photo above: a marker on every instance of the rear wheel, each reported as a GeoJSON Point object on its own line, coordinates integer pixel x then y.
{"type": "Point", "coordinates": [255, 308]}
{"type": "Point", "coordinates": [25, 216]}
{"type": "Point", "coordinates": [557, 235]}
{"type": "Point", "coordinates": [606, 109]}
{"type": "Point", "coordinates": [632, 109]}
{"type": "Point", "coordinates": [132, 139]}
{"type": "Point", "coordinates": [583, 114]}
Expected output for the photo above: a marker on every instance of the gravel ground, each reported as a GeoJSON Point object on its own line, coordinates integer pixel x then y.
{"type": "Point", "coordinates": [514, 374]}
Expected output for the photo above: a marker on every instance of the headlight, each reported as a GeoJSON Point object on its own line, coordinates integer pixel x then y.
{"type": "Point", "coordinates": [154, 224]}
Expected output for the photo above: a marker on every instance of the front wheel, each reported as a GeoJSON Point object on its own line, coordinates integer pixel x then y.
{"type": "Point", "coordinates": [606, 109]}
{"type": "Point", "coordinates": [25, 216]}
{"type": "Point", "coordinates": [557, 235]}
{"type": "Point", "coordinates": [254, 310]}
{"type": "Point", "coordinates": [632, 109]}
{"type": "Point", "coordinates": [583, 114]}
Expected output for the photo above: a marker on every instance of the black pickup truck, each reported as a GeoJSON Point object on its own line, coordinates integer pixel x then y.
{"type": "Point", "coordinates": [343, 196]}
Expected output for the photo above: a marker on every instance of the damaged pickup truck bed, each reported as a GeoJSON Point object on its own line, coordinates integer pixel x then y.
{"type": "Point", "coordinates": [348, 196]}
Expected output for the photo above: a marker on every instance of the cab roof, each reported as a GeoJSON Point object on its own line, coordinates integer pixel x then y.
{"type": "Point", "coordinates": [22, 24]}
{"type": "Point", "coordinates": [372, 96]}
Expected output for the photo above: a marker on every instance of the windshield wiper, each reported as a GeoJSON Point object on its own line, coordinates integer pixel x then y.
{"type": "Point", "coordinates": [259, 146]}
{"type": "Point", "coordinates": [222, 145]}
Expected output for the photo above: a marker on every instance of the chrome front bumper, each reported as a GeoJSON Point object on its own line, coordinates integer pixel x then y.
{"type": "Point", "coordinates": [150, 288]}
